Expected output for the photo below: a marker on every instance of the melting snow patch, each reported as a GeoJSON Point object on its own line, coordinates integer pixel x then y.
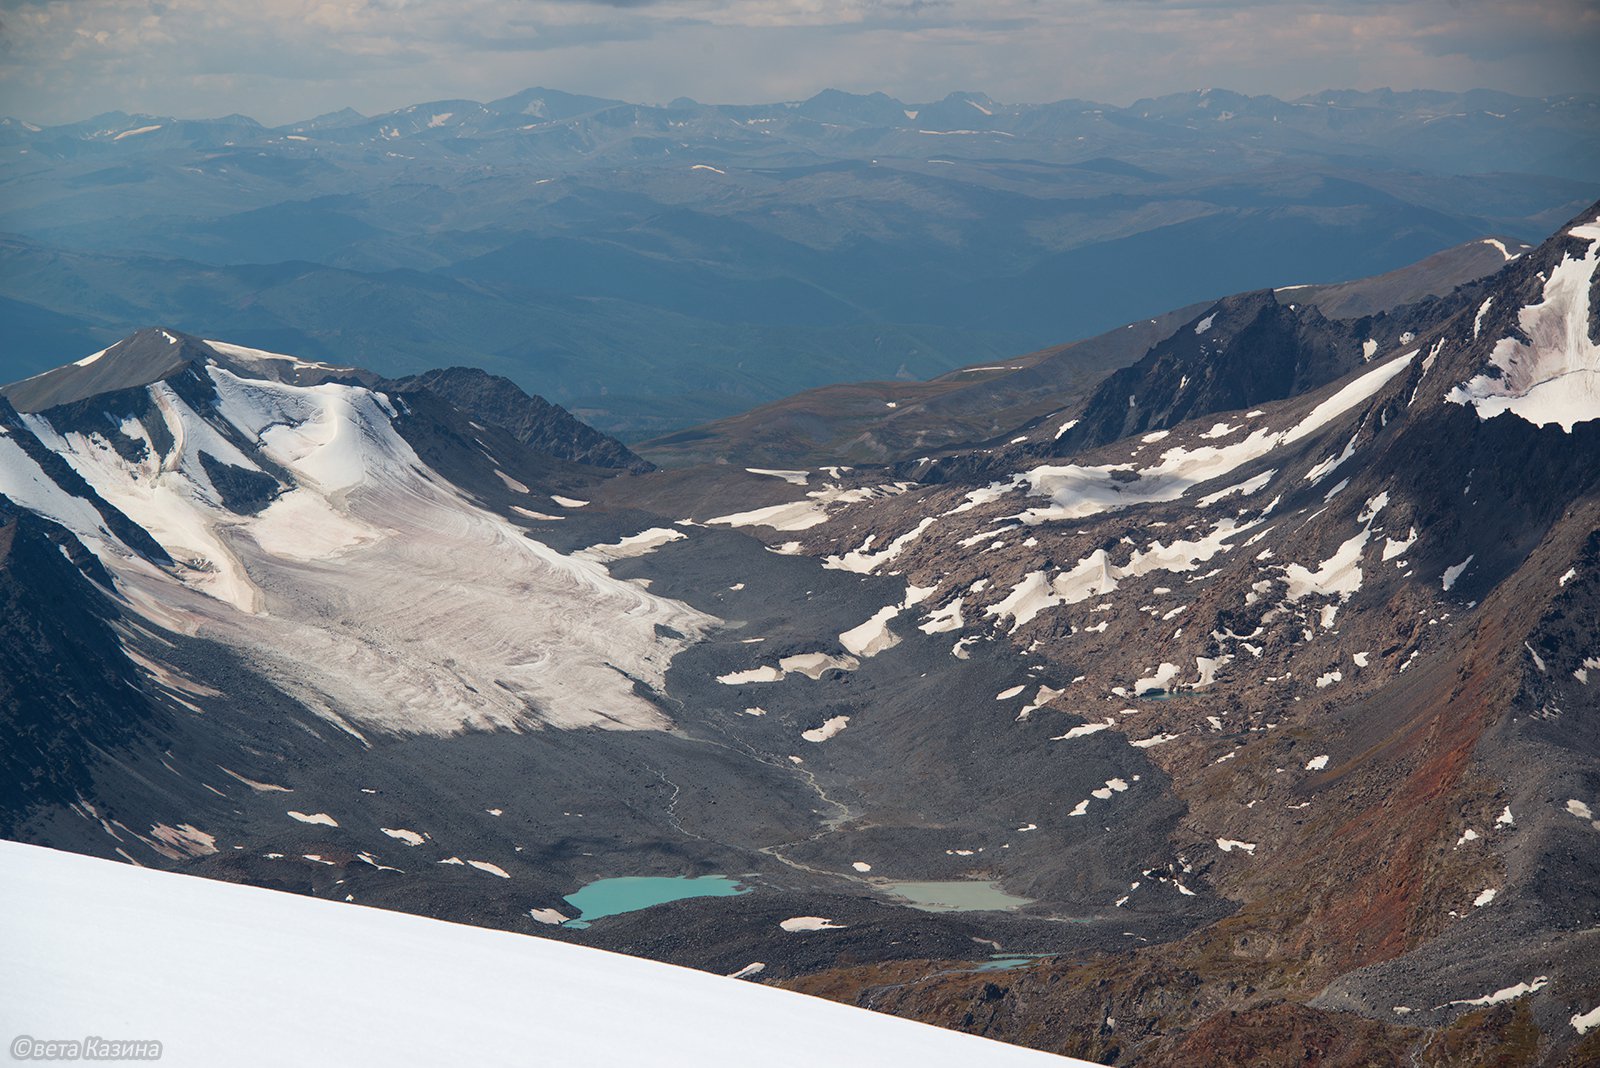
{"type": "Point", "coordinates": [410, 838]}
{"type": "Point", "coordinates": [1338, 576]}
{"type": "Point", "coordinates": [861, 866]}
{"type": "Point", "coordinates": [1008, 694]}
{"type": "Point", "coordinates": [1317, 763]}
{"type": "Point", "coordinates": [863, 562]}
{"type": "Point", "coordinates": [569, 502]}
{"type": "Point", "coordinates": [1505, 819]}
{"type": "Point", "coordinates": [1585, 1022]}
{"type": "Point", "coordinates": [492, 869]}
{"type": "Point", "coordinates": [549, 916]}
{"type": "Point", "coordinates": [873, 636]}
{"type": "Point", "coordinates": [1160, 680]}
{"type": "Point", "coordinates": [1228, 845]}
{"type": "Point", "coordinates": [944, 619]}
{"type": "Point", "coordinates": [316, 817]}
{"type": "Point", "coordinates": [1570, 574]}
{"type": "Point", "coordinates": [815, 665]}
{"type": "Point", "coordinates": [827, 730]}
{"type": "Point", "coordinates": [795, 924]}
{"type": "Point", "coordinates": [1510, 993]}
{"type": "Point", "coordinates": [1583, 812]}
{"type": "Point", "coordinates": [1329, 679]}
{"type": "Point", "coordinates": [640, 544]}
{"type": "Point", "coordinates": [1205, 324]}
{"type": "Point", "coordinates": [765, 673]}
{"type": "Point", "coordinates": [1454, 572]}
{"type": "Point", "coordinates": [1483, 899]}
{"type": "Point", "coordinates": [1084, 730]}
{"type": "Point", "coordinates": [1477, 320]}
{"type": "Point", "coordinates": [1159, 739]}
{"type": "Point", "coordinates": [1393, 548]}
{"type": "Point", "coordinates": [755, 967]}
{"type": "Point", "coordinates": [511, 483]}
{"type": "Point", "coordinates": [1243, 489]}
{"type": "Point", "coordinates": [797, 478]}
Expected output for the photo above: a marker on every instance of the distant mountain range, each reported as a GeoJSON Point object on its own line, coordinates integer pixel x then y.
{"type": "Point", "coordinates": [656, 266]}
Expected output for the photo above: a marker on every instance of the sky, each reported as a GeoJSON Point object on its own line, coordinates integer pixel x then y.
{"type": "Point", "coordinates": [282, 60]}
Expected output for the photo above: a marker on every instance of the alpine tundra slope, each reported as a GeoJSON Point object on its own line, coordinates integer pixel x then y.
{"type": "Point", "coordinates": [1239, 707]}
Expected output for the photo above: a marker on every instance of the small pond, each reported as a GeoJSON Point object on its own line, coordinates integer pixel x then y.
{"type": "Point", "coordinates": [611, 897]}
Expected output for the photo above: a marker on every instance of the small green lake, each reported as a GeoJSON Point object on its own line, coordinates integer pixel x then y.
{"type": "Point", "coordinates": [612, 897]}
{"type": "Point", "coordinates": [1005, 962]}
{"type": "Point", "coordinates": [957, 895]}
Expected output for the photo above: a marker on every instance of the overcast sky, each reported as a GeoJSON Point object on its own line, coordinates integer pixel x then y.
{"type": "Point", "coordinates": [279, 60]}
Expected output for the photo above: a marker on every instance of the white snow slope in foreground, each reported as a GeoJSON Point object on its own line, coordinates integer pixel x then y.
{"type": "Point", "coordinates": [237, 975]}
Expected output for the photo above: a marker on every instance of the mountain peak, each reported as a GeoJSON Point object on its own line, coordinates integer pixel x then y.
{"type": "Point", "coordinates": [156, 353]}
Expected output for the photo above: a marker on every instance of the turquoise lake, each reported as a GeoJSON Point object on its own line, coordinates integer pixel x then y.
{"type": "Point", "coordinates": [612, 897]}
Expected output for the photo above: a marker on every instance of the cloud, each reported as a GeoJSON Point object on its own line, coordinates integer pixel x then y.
{"type": "Point", "coordinates": [284, 59]}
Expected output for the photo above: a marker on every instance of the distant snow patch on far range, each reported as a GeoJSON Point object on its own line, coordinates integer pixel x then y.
{"type": "Point", "coordinates": [1553, 378]}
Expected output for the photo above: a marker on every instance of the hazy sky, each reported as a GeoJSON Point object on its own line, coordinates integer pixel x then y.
{"type": "Point", "coordinates": [279, 60]}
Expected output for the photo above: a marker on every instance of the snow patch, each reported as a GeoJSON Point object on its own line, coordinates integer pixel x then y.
{"type": "Point", "coordinates": [1553, 378]}
{"type": "Point", "coordinates": [316, 817]}
{"type": "Point", "coordinates": [796, 924]}
{"type": "Point", "coordinates": [828, 729]}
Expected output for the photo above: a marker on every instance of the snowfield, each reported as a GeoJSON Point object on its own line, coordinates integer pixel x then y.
{"type": "Point", "coordinates": [1553, 378]}
{"type": "Point", "coordinates": [225, 974]}
{"type": "Point", "coordinates": [368, 587]}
